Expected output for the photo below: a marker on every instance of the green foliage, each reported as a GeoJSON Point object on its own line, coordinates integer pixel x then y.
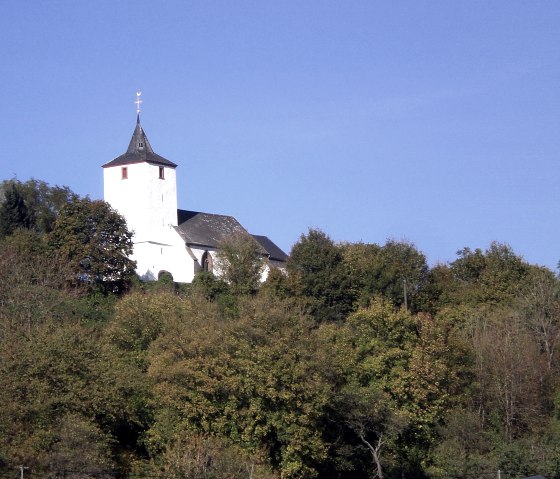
{"type": "Point", "coordinates": [139, 319]}
{"type": "Point", "coordinates": [317, 273]}
{"type": "Point", "coordinates": [32, 285]}
{"type": "Point", "coordinates": [397, 271]}
{"type": "Point", "coordinates": [13, 212]}
{"type": "Point", "coordinates": [93, 239]}
{"type": "Point", "coordinates": [41, 202]}
{"type": "Point", "coordinates": [206, 457]}
{"type": "Point", "coordinates": [464, 447]}
{"type": "Point", "coordinates": [253, 381]}
{"type": "Point", "coordinates": [276, 285]}
{"type": "Point", "coordinates": [216, 290]}
{"type": "Point", "coordinates": [240, 263]}
{"type": "Point", "coordinates": [213, 380]}
{"type": "Point", "coordinates": [209, 285]}
{"type": "Point", "coordinates": [493, 277]}
{"type": "Point", "coordinates": [80, 450]}
{"type": "Point", "coordinates": [409, 370]}
{"type": "Point", "coordinates": [61, 370]}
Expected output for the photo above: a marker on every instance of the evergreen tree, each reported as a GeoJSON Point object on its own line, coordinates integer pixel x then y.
{"type": "Point", "coordinates": [13, 212]}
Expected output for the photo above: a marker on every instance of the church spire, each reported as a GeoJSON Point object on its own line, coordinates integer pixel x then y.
{"type": "Point", "coordinates": [139, 149]}
{"type": "Point", "coordinates": [139, 142]}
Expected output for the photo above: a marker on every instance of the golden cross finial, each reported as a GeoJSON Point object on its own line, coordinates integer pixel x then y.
{"type": "Point", "coordinates": [138, 102]}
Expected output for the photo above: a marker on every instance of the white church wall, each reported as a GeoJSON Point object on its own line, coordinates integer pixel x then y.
{"type": "Point", "coordinates": [153, 258]}
{"type": "Point", "coordinates": [148, 203]}
{"type": "Point", "coordinates": [264, 272]}
{"type": "Point", "coordinates": [198, 253]}
{"type": "Point", "coordinates": [216, 263]}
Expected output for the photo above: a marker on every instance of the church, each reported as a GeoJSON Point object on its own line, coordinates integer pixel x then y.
{"type": "Point", "coordinates": [142, 186]}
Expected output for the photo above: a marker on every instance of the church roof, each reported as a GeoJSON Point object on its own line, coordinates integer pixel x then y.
{"type": "Point", "coordinates": [275, 253]}
{"type": "Point", "coordinates": [139, 151]}
{"type": "Point", "coordinates": [208, 230]}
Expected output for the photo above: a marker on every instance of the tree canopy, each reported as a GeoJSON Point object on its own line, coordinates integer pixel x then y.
{"type": "Point", "coordinates": [94, 240]}
{"type": "Point", "coordinates": [359, 361]}
{"type": "Point", "coordinates": [240, 263]}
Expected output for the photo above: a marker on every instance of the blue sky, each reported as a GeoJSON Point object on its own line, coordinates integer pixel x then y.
{"type": "Point", "coordinates": [437, 122]}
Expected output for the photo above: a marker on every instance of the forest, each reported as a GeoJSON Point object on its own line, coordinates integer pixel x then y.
{"type": "Point", "coordinates": [359, 361]}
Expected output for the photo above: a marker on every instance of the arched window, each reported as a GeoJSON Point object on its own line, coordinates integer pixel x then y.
{"type": "Point", "coordinates": [206, 262]}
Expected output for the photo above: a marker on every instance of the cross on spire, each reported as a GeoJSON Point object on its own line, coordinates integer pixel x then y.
{"type": "Point", "coordinates": [138, 102]}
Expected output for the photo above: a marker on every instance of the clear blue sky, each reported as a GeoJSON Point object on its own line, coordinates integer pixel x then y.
{"type": "Point", "coordinates": [432, 121]}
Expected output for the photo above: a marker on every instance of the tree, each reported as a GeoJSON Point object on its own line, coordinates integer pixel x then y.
{"type": "Point", "coordinates": [396, 271]}
{"type": "Point", "coordinates": [318, 274]}
{"type": "Point", "coordinates": [80, 450]}
{"type": "Point", "coordinates": [510, 371]}
{"type": "Point", "coordinates": [199, 456]}
{"type": "Point", "coordinates": [32, 284]}
{"type": "Point", "coordinates": [93, 238]}
{"type": "Point", "coordinates": [276, 284]}
{"type": "Point", "coordinates": [464, 448]}
{"type": "Point", "coordinates": [255, 381]}
{"type": "Point", "coordinates": [401, 373]}
{"type": "Point", "coordinates": [13, 212]}
{"type": "Point", "coordinates": [496, 276]}
{"type": "Point", "coordinates": [64, 369]}
{"type": "Point", "coordinates": [369, 416]}
{"type": "Point", "coordinates": [240, 263]}
{"type": "Point", "coordinates": [43, 202]}
{"type": "Point", "coordinates": [139, 319]}
{"type": "Point", "coordinates": [540, 307]}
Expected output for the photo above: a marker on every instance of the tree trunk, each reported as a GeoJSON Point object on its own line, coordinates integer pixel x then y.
{"type": "Point", "coordinates": [375, 453]}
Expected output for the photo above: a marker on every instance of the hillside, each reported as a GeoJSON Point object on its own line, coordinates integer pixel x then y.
{"type": "Point", "coordinates": [360, 361]}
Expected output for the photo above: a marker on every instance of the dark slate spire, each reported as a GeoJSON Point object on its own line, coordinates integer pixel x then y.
{"type": "Point", "coordinates": [139, 142]}
{"type": "Point", "coordinates": [139, 151]}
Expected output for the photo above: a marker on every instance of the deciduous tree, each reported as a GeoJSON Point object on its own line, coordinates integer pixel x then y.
{"type": "Point", "coordinates": [318, 274]}
{"type": "Point", "coordinates": [94, 240]}
{"type": "Point", "coordinates": [240, 263]}
{"type": "Point", "coordinates": [397, 271]}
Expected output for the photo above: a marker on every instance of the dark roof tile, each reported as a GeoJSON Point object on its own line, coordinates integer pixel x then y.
{"type": "Point", "coordinates": [275, 253]}
{"type": "Point", "coordinates": [139, 151]}
{"type": "Point", "coordinates": [207, 230]}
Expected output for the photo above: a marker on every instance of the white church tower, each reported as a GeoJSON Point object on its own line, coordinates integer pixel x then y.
{"type": "Point", "coordinates": [142, 186]}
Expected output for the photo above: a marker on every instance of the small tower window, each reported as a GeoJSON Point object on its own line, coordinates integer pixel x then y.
{"type": "Point", "coordinates": [161, 173]}
{"type": "Point", "coordinates": [140, 145]}
{"type": "Point", "coordinates": [124, 173]}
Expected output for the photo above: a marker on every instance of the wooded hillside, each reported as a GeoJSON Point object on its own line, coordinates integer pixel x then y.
{"type": "Point", "coordinates": [362, 361]}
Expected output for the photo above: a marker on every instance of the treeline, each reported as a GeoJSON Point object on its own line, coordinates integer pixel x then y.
{"type": "Point", "coordinates": [361, 361]}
